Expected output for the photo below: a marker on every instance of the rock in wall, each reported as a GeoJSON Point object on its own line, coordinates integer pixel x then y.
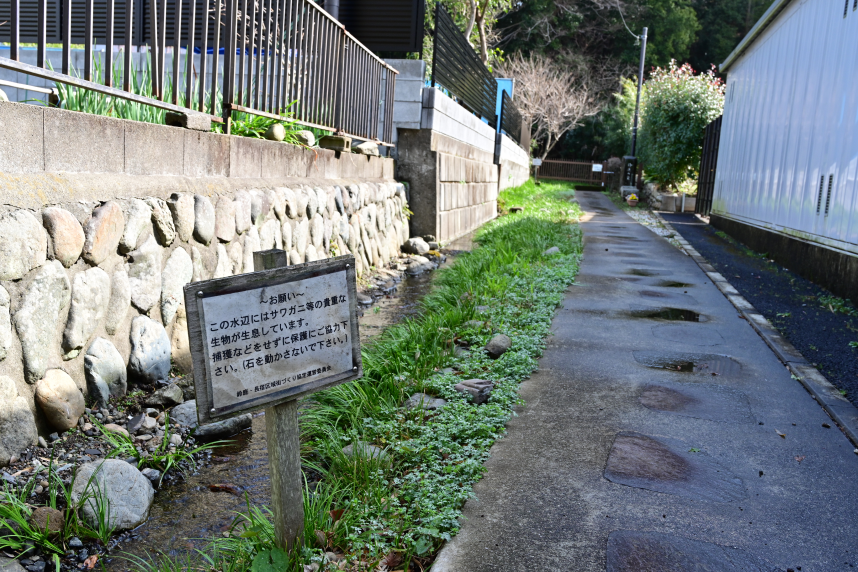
{"type": "Point", "coordinates": [74, 276]}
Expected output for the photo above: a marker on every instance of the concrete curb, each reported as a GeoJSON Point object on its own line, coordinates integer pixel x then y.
{"type": "Point", "coordinates": [838, 407]}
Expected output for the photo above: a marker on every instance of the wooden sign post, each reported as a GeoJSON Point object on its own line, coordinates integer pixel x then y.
{"type": "Point", "coordinates": [266, 338]}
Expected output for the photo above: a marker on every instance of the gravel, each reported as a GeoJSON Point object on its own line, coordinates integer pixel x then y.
{"type": "Point", "coordinates": [787, 300]}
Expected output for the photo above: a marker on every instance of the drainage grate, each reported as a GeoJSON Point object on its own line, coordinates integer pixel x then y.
{"type": "Point", "coordinates": [819, 198]}
{"type": "Point", "coordinates": [828, 196]}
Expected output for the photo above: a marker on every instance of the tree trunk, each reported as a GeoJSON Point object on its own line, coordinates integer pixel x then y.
{"type": "Point", "coordinates": [473, 7]}
{"type": "Point", "coordinates": [481, 28]}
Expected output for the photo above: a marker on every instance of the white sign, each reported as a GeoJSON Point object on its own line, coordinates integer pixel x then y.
{"type": "Point", "coordinates": [267, 336]}
{"type": "Point", "coordinates": [537, 162]}
{"type": "Point", "coordinates": [597, 168]}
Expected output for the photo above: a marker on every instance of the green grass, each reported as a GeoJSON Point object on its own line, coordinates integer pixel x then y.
{"type": "Point", "coordinates": [401, 507]}
{"type": "Point", "coordinates": [838, 305]}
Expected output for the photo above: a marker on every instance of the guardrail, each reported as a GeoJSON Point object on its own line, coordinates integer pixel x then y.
{"type": "Point", "coordinates": [458, 69]}
{"type": "Point", "coordinates": [708, 167]}
{"type": "Point", "coordinates": [577, 171]}
{"type": "Point", "coordinates": [261, 57]}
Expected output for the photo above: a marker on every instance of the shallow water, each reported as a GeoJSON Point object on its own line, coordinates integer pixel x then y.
{"type": "Point", "coordinates": [186, 515]}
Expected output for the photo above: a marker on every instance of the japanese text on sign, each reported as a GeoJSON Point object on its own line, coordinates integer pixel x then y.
{"type": "Point", "coordinates": [263, 340]}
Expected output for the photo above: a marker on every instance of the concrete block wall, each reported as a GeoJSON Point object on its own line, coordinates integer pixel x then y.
{"type": "Point", "coordinates": [408, 96]}
{"type": "Point", "coordinates": [513, 164]}
{"type": "Point", "coordinates": [104, 221]}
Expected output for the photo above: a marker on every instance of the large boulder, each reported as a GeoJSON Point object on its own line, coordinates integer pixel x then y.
{"type": "Point", "coordinates": [90, 295]}
{"type": "Point", "coordinates": [478, 389]}
{"type": "Point", "coordinates": [150, 351]}
{"type": "Point", "coordinates": [17, 425]}
{"type": "Point", "coordinates": [24, 244]}
{"type": "Point", "coordinates": [204, 219]}
{"type": "Point", "coordinates": [144, 275]}
{"type": "Point", "coordinates": [162, 221]}
{"type": "Point", "coordinates": [105, 372]}
{"type": "Point", "coordinates": [66, 235]}
{"type": "Point", "coordinates": [415, 246]}
{"type": "Point", "coordinates": [178, 271]}
{"type": "Point", "coordinates": [120, 301]}
{"type": "Point", "coordinates": [37, 316]}
{"type": "Point", "coordinates": [137, 216]}
{"type": "Point", "coordinates": [60, 400]}
{"type": "Point", "coordinates": [225, 219]}
{"type": "Point", "coordinates": [103, 232]}
{"type": "Point", "coordinates": [498, 346]}
{"type": "Point", "coordinates": [182, 208]}
{"type": "Point", "coordinates": [118, 488]}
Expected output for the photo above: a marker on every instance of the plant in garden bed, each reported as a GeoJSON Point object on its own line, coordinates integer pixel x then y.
{"type": "Point", "coordinates": [398, 503]}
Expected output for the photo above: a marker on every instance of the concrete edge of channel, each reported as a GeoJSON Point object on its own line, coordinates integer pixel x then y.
{"type": "Point", "coordinates": [838, 407]}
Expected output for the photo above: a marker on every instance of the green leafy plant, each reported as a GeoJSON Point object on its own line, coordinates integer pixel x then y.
{"type": "Point", "coordinates": [838, 305]}
{"type": "Point", "coordinates": [677, 105]}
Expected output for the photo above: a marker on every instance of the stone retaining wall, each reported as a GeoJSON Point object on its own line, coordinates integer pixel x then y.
{"type": "Point", "coordinates": [514, 164]}
{"type": "Point", "coordinates": [92, 265]}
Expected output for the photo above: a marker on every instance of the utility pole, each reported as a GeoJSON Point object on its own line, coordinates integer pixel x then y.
{"type": "Point", "coordinates": [630, 162]}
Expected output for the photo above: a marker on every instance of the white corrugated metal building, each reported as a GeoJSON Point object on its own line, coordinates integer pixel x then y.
{"type": "Point", "coordinates": [787, 172]}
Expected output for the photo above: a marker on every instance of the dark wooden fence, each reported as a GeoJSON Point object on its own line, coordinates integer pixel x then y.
{"type": "Point", "coordinates": [457, 68]}
{"type": "Point", "coordinates": [708, 166]}
{"type": "Point", "coordinates": [510, 119]}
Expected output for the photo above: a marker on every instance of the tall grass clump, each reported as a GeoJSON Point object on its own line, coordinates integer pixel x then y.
{"type": "Point", "coordinates": [395, 504]}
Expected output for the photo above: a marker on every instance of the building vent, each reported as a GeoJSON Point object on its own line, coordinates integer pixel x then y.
{"type": "Point", "coordinates": [819, 198]}
{"type": "Point", "coordinates": [828, 196]}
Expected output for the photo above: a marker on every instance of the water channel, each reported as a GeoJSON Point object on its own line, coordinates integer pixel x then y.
{"type": "Point", "coordinates": [187, 514]}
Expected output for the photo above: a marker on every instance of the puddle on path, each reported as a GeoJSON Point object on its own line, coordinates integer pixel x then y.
{"type": "Point", "coordinates": [700, 401]}
{"type": "Point", "coordinates": [689, 362]}
{"type": "Point", "coordinates": [673, 314]}
{"type": "Point", "coordinates": [673, 284]}
{"type": "Point", "coordinates": [641, 271]}
{"type": "Point", "coordinates": [186, 515]}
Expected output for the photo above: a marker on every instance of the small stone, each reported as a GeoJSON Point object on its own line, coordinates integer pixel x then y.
{"type": "Point", "coordinates": [225, 428]}
{"type": "Point", "coordinates": [59, 399]}
{"type": "Point", "coordinates": [251, 244]}
{"type": "Point", "coordinates": [363, 449]}
{"type": "Point", "coordinates": [185, 414]}
{"type": "Point", "coordinates": [305, 137]}
{"type": "Point", "coordinates": [35, 321]}
{"type": "Point", "coordinates": [114, 428]}
{"type": "Point", "coordinates": [290, 203]}
{"type": "Point", "coordinates": [433, 246]}
{"type": "Point", "coordinates": [24, 245]}
{"type": "Point", "coordinates": [120, 301]}
{"type": "Point", "coordinates": [178, 271]}
{"type": "Point", "coordinates": [152, 412]}
{"type": "Point", "coordinates": [182, 209]}
{"type": "Point", "coordinates": [53, 437]}
{"type": "Point", "coordinates": [65, 234]}
{"type": "Point", "coordinates": [366, 148]}
{"type": "Point", "coordinates": [150, 351]}
{"type": "Point", "coordinates": [103, 232]}
{"type": "Point", "coordinates": [275, 132]}
{"type": "Point", "coordinates": [423, 401]}
{"type": "Point", "coordinates": [144, 275]}
{"type": "Point", "coordinates": [48, 520]}
{"type": "Point", "coordinates": [90, 295]}
{"type": "Point", "coordinates": [498, 345]}
{"type": "Point", "coordinates": [175, 440]}
{"type": "Point", "coordinates": [136, 423]}
{"type": "Point", "coordinates": [317, 231]}
{"type": "Point", "coordinates": [312, 204]}
{"type": "Point", "coordinates": [75, 543]}
{"type": "Point", "coordinates": [551, 251]}
{"type": "Point", "coordinates": [166, 396]}
{"type": "Point", "coordinates": [137, 216]}
{"type": "Point", "coordinates": [105, 372]}
{"type": "Point", "coordinates": [429, 237]}
{"type": "Point", "coordinates": [363, 299]}
{"type": "Point", "coordinates": [204, 219]}
{"type": "Point", "coordinates": [415, 246]}
{"type": "Point", "coordinates": [242, 211]}
{"type": "Point", "coordinates": [269, 234]}
{"type": "Point", "coordinates": [478, 389]}
{"type": "Point", "coordinates": [225, 219]}
{"type": "Point", "coordinates": [42, 443]}
{"type": "Point", "coordinates": [37, 566]}
{"type": "Point", "coordinates": [162, 221]}
{"type": "Point", "coordinates": [120, 486]}
{"type": "Point", "coordinates": [152, 474]}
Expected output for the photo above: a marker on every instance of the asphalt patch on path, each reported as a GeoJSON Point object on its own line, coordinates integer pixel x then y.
{"type": "Point", "coordinates": [672, 467]}
{"type": "Point", "coordinates": [709, 364]}
{"type": "Point", "coordinates": [702, 401]}
{"type": "Point", "coordinates": [684, 299]}
{"type": "Point", "coordinates": [790, 302]}
{"type": "Point", "coordinates": [631, 551]}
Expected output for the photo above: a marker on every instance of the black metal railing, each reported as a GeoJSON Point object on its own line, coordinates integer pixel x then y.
{"type": "Point", "coordinates": [708, 167]}
{"type": "Point", "coordinates": [510, 118]}
{"type": "Point", "coordinates": [458, 69]}
{"type": "Point", "coordinates": [262, 57]}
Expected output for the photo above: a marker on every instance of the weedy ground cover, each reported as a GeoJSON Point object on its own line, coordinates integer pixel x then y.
{"type": "Point", "coordinates": [393, 507]}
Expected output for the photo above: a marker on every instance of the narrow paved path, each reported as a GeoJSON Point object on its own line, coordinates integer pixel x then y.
{"type": "Point", "coordinates": [650, 443]}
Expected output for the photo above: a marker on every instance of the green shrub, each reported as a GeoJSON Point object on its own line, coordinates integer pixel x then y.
{"type": "Point", "coordinates": [676, 107]}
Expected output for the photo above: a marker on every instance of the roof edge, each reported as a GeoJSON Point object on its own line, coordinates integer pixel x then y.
{"type": "Point", "coordinates": [774, 10]}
